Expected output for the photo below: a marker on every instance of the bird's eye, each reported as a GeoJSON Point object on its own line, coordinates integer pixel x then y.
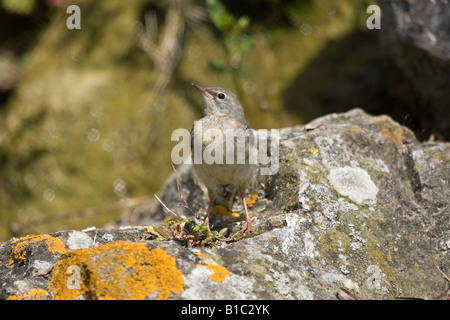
{"type": "Point", "coordinates": [221, 96]}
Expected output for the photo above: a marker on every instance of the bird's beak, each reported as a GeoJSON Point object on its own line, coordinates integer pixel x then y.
{"type": "Point", "coordinates": [203, 90]}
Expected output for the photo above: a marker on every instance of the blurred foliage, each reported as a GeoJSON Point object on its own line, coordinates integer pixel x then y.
{"type": "Point", "coordinates": [19, 6]}
{"type": "Point", "coordinates": [235, 41]}
{"type": "Point", "coordinates": [76, 128]}
{"type": "Point", "coordinates": [232, 29]}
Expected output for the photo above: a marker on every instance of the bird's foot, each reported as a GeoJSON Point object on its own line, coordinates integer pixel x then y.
{"type": "Point", "coordinates": [206, 223]}
{"type": "Point", "coordinates": [247, 226]}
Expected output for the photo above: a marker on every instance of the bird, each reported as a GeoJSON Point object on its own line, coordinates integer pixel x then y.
{"type": "Point", "coordinates": [223, 111]}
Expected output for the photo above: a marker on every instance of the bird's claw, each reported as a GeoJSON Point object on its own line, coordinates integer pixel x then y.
{"type": "Point", "coordinates": [247, 227]}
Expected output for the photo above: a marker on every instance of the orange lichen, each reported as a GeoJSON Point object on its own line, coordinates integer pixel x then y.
{"type": "Point", "coordinates": [251, 199]}
{"type": "Point", "coordinates": [19, 252]}
{"type": "Point", "coordinates": [33, 294]}
{"type": "Point", "coordinates": [117, 270]}
{"type": "Point", "coordinates": [37, 294]}
{"type": "Point", "coordinates": [394, 135]}
{"type": "Point", "coordinates": [201, 255]}
{"type": "Point", "coordinates": [16, 297]}
{"type": "Point", "coordinates": [391, 132]}
{"type": "Point", "coordinates": [219, 273]}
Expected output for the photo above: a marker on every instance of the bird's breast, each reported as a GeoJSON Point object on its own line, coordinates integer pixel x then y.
{"type": "Point", "coordinates": [220, 150]}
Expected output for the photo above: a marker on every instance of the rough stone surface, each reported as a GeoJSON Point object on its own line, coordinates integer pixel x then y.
{"type": "Point", "coordinates": [415, 35]}
{"type": "Point", "coordinates": [352, 206]}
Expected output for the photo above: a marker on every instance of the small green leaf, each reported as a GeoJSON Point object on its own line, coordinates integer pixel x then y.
{"type": "Point", "coordinates": [221, 233]}
{"type": "Point", "coordinates": [220, 16]}
{"type": "Point", "coordinates": [216, 65]}
{"type": "Point", "coordinates": [242, 23]}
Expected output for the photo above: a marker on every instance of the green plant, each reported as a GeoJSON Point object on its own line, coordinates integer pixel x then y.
{"type": "Point", "coordinates": [236, 42]}
{"type": "Point", "coordinates": [192, 233]}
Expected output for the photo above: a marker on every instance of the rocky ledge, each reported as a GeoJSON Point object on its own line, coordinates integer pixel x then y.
{"type": "Point", "coordinates": [358, 209]}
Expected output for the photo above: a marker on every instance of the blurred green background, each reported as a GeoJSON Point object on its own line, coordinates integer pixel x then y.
{"type": "Point", "coordinates": [86, 115]}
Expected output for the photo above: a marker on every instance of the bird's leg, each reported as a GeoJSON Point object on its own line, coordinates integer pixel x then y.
{"type": "Point", "coordinates": [231, 199]}
{"type": "Point", "coordinates": [248, 222]}
{"type": "Point", "coordinates": [211, 203]}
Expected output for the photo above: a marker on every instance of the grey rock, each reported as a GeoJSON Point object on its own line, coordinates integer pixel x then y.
{"type": "Point", "coordinates": [415, 35]}
{"type": "Point", "coordinates": [351, 206]}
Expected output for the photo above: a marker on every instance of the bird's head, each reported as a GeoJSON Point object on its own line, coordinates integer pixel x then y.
{"type": "Point", "coordinates": [221, 102]}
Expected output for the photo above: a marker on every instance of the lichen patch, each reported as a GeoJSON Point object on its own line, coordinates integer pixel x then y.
{"type": "Point", "coordinates": [354, 183]}
{"type": "Point", "coordinates": [19, 252]}
{"type": "Point", "coordinates": [117, 270]}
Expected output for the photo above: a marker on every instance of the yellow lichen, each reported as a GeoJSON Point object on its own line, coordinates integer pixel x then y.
{"type": "Point", "coordinates": [221, 211]}
{"type": "Point", "coordinates": [333, 240]}
{"type": "Point", "coordinates": [389, 257]}
{"type": "Point", "coordinates": [393, 133]}
{"type": "Point", "coordinates": [117, 270]}
{"type": "Point", "coordinates": [201, 255]}
{"type": "Point", "coordinates": [314, 150]}
{"type": "Point", "coordinates": [378, 258]}
{"type": "Point", "coordinates": [37, 294]}
{"type": "Point", "coordinates": [33, 294]}
{"type": "Point", "coordinates": [15, 297]}
{"type": "Point", "coordinates": [219, 273]}
{"type": "Point", "coordinates": [19, 252]}
{"type": "Point", "coordinates": [155, 234]}
{"type": "Point", "coordinates": [251, 199]}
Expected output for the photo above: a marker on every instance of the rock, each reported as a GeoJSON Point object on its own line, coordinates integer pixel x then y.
{"type": "Point", "coordinates": [352, 206]}
{"type": "Point", "coordinates": [415, 35]}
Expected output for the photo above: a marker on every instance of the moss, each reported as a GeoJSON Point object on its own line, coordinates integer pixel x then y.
{"type": "Point", "coordinates": [332, 240]}
{"type": "Point", "coordinates": [438, 155]}
{"type": "Point", "coordinates": [389, 257]}
{"type": "Point", "coordinates": [19, 252]}
{"type": "Point", "coordinates": [117, 270]}
{"type": "Point", "coordinates": [380, 259]}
